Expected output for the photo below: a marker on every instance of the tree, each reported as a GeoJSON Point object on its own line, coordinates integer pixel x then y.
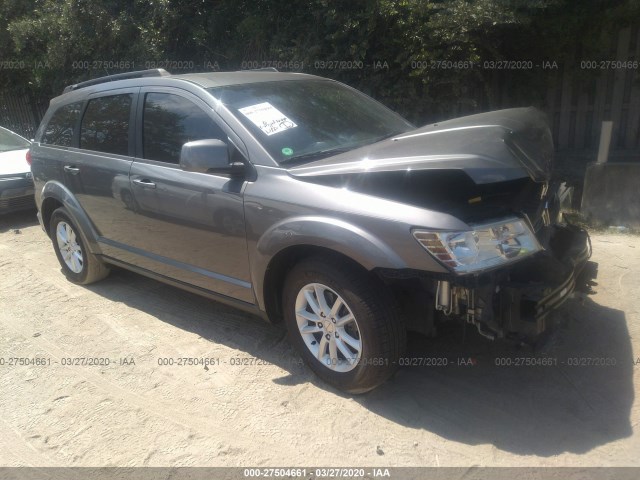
{"type": "Point", "coordinates": [424, 58]}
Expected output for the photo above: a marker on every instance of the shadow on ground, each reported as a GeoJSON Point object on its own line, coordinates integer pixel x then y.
{"type": "Point", "coordinates": [528, 410]}
{"type": "Point", "coordinates": [18, 220]}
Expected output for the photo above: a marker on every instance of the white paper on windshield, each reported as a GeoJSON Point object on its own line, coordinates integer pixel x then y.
{"type": "Point", "coordinates": [267, 118]}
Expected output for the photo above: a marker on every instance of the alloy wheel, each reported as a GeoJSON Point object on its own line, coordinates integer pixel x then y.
{"type": "Point", "coordinates": [69, 247]}
{"type": "Point", "coordinates": [328, 327]}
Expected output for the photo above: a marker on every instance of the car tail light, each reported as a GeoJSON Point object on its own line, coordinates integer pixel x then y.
{"type": "Point", "coordinates": [28, 157]}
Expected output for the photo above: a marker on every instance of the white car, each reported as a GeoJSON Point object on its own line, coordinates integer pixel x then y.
{"type": "Point", "coordinates": [16, 182]}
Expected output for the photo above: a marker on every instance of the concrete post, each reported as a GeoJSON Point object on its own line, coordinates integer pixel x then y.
{"type": "Point", "coordinates": [605, 141]}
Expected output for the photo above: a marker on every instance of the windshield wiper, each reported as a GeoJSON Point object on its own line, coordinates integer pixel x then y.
{"type": "Point", "coordinates": [334, 151]}
{"type": "Point", "coordinates": [317, 155]}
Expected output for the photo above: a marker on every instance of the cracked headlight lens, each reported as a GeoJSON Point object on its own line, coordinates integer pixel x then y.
{"type": "Point", "coordinates": [486, 246]}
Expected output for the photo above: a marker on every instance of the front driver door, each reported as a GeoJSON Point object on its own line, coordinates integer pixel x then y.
{"type": "Point", "coordinates": [190, 226]}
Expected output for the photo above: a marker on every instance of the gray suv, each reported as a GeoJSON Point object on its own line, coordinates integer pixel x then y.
{"type": "Point", "coordinates": [302, 200]}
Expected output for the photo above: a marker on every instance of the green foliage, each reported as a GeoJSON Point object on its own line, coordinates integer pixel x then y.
{"type": "Point", "coordinates": [424, 58]}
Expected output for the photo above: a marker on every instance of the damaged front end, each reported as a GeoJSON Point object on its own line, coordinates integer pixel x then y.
{"type": "Point", "coordinates": [510, 301]}
{"type": "Point", "coordinates": [517, 262]}
{"type": "Point", "coordinates": [513, 302]}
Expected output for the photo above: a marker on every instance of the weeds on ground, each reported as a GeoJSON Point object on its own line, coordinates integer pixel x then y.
{"type": "Point", "coordinates": [576, 218]}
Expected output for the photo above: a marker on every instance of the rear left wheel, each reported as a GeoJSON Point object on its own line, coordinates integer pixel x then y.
{"type": "Point", "coordinates": [78, 264]}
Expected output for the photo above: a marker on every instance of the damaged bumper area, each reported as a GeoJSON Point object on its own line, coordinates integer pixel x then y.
{"type": "Point", "coordinates": [510, 302]}
{"type": "Point", "coordinates": [514, 302]}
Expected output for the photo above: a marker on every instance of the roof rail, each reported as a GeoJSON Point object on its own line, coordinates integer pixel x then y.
{"type": "Point", "coordinates": [154, 72]}
{"type": "Point", "coordinates": [263, 69]}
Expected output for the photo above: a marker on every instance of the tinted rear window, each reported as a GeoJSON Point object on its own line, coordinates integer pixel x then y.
{"type": "Point", "coordinates": [105, 125]}
{"type": "Point", "coordinates": [60, 128]}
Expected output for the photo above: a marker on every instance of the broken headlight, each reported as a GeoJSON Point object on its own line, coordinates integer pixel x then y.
{"type": "Point", "coordinates": [488, 245]}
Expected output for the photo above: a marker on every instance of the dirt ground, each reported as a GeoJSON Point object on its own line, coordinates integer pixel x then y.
{"type": "Point", "coordinates": [256, 405]}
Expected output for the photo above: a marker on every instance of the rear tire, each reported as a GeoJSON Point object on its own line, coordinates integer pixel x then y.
{"type": "Point", "coordinates": [78, 264]}
{"type": "Point", "coordinates": [344, 323]}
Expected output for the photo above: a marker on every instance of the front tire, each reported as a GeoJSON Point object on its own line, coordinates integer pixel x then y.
{"type": "Point", "coordinates": [78, 264]}
{"type": "Point", "coordinates": [343, 323]}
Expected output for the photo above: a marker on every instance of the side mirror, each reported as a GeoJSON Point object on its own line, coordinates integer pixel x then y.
{"type": "Point", "coordinates": [208, 156]}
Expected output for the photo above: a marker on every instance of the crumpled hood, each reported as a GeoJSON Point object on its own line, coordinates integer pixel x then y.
{"type": "Point", "coordinates": [489, 147]}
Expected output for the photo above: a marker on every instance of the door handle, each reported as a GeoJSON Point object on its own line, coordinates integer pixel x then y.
{"type": "Point", "coordinates": [144, 183]}
{"type": "Point", "coordinates": [71, 170]}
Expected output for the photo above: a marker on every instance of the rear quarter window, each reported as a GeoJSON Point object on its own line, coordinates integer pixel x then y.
{"type": "Point", "coordinates": [105, 125]}
{"type": "Point", "coordinates": [59, 130]}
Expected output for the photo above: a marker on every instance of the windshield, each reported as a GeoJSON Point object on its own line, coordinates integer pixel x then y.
{"type": "Point", "coordinates": [302, 120]}
{"type": "Point", "coordinates": [11, 141]}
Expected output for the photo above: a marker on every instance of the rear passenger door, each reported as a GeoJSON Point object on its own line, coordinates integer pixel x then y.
{"type": "Point", "coordinates": [58, 143]}
{"type": "Point", "coordinates": [101, 165]}
{"type": "Point", "coordinates": [190, 225]}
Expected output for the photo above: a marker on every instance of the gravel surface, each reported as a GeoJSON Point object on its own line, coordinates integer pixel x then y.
{"type": "Point", "coordinates": [255, 404]}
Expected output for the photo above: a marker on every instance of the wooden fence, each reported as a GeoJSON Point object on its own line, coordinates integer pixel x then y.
{"type": "Point", "coordinates": [581, 101]}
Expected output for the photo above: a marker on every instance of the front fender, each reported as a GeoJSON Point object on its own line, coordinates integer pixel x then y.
{"type": "Point", "coordinates": [54, 190]}
{"type": "Point", "coordinates": [336, 235]}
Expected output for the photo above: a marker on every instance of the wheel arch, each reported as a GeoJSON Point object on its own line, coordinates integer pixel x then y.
{"type": "Point", "coordinates": [288, 242]}
{"type": "Point", "coordinates": [49, 205]}
{"type": "Point", "coordinates": [55, 195]}
{"type": "Point", "coordinates": [282, 263]}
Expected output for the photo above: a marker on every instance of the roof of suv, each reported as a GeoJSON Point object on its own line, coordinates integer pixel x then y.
{"type": "Point", "coordinates": [218, 79]}
{"type": "Point", "coordinates": [160, 77]}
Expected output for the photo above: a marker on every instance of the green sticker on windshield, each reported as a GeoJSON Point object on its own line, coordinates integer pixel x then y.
{"type": "Point", "coordinates": [287, 151]}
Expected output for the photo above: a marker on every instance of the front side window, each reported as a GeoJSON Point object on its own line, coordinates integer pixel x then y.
{"type": "Point", "coordinates": [301, 120]}
{"type": "Point", "coordinates": [105, 125]}
{"type": "Point", "coordinates": [59, 130]}
{"type": "Point", "coordinates": [170, 121]}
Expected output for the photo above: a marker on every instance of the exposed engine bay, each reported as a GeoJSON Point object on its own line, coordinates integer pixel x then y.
{"type": "Point", "coordinates": [451, 191]}
{"type": "Point", "coordinates": [510, 302]}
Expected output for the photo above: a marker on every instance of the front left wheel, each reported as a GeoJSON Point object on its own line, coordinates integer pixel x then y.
{"type": "Point", "coordinates": [78, 264]}
{"type": "Point", "coordinates": [344, 323]}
